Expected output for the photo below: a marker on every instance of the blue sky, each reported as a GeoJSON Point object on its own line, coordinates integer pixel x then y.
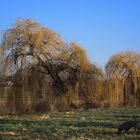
{"type": "Point", "coordinates": [101, 27]}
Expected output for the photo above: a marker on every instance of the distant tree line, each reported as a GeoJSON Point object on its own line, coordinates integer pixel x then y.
{"type": "Point", "coordinates": [41, 72]}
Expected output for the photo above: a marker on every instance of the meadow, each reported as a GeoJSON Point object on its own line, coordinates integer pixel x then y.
{"type": "Point", "coordinates": [94, 124]}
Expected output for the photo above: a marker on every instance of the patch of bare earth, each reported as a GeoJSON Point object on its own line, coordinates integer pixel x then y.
{"type": "Point", "coordinates": [8, 132]}
{"type": "Point", "coordinates": [44, 116]}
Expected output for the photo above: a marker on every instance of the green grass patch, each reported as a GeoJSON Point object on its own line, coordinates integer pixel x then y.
{"type": "Point", "coordinates": [100, 124]}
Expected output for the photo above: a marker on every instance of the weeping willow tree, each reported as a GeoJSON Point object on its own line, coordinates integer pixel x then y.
{"type": "Point", "coordinates": [82, 91]}
{"type": "Point", "coordinates": [123, 78]}
{"type": "Point", "coordinates": [91, 89]}
{"type": "Point", "coordinates": [30, 53]}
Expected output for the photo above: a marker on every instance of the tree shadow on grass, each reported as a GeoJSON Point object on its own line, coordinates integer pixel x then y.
{"type": "Point", "coordinates": [96, 124]}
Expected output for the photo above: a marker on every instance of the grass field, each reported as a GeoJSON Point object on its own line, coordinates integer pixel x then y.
{"type": "Point", "coordinates": [100, 124]}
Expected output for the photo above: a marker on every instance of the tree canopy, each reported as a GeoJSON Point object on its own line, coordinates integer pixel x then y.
{"type": "Point", "coordinates": [123, 70]}
{"type": "Point", "coordinates": [41, 70]}
{"type": "Point", "coordinates": [29, 45]}
{"type": "Point", "coordinates": [126, 64]}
